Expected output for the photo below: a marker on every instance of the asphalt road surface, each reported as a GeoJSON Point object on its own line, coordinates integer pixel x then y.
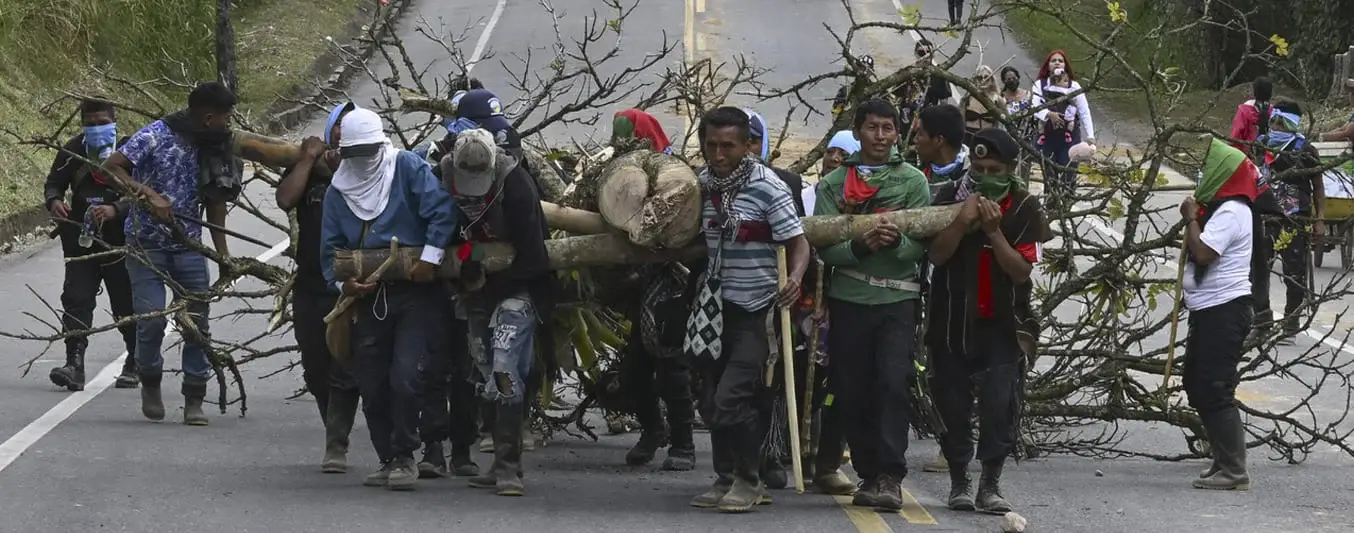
{"type": "Point", "coordinates": [88, 461]}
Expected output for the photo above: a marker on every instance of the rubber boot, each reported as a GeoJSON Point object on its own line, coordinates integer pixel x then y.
{"type": "Point", "coordinates": [128, 378]}
{"type": "Point", "coordinates": [508, 436]}
{"type": "Point", "coordinates": [152, 406]}
{"type": "Point", "coordinates": [72, 374]}
{"type": "Point", "coordinates": [961, 488]}
{"type": "Point", "coordinates": [461, 463]}
{"type": "Point", "coordinates": [1227, 440]}
{"type": "Point", "coordinates": [338, 425]}
{"type": "Point", "coordinates": [652, 437]}
{"type": "Point", "coordinates": [434, 462]}
{"type": "Point", "coordinates": [194, 391]}
{"type": "Point", "coordinates": [681, 439]}
{"type": "Point", "coordinates": [890, 496]}
{"type": "Point", "coordinates": [989, 489]}
{"type": "Point", "coordinates": [747, 491]}
{"type": "Point", "coordinates": [724, 466]}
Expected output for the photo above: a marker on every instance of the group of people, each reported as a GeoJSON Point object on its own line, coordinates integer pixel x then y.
{"type": "Point", "coordinates": [433, 361]}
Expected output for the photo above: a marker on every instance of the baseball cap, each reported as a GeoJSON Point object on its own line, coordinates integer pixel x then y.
{"type": "Point", "coordinates": [473, 163]}
{"type": "Point", "coordinates": [483, 107]}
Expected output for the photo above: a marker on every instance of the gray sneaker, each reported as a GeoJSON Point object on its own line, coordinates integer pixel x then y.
{"type": "Point", "coordinates": [403, 474]}
{"type": "Point", "coordinates": [378, 478]}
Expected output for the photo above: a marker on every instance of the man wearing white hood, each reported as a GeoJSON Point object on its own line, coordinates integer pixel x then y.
{"type": "Point", "coordinates": [380, 192]}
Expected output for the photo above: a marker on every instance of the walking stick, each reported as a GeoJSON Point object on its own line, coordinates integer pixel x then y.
{"type": "Point", "coordinates": [807, 427]}
{"type": "Point", "coordinates": [1175, 324]}
{"type": "Point", "coordinates": [788, 358]}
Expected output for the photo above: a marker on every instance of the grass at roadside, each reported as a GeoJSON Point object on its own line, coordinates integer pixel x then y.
{"type": "Point", "coordinates": [47, 48]}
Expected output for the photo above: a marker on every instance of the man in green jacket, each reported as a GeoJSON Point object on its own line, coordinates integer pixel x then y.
{"type": "Point", "coordinates": [872, 300]}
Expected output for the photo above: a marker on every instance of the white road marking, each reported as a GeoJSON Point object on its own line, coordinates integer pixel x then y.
{"type": "Point", "coordinates": [17, 444]}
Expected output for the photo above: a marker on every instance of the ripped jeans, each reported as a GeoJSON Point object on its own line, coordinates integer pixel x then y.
{"type": "Point", "coordinates": [503, 348]}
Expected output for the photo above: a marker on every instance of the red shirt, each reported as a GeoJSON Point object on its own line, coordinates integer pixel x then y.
{"type": "Point", "coordinates": [1030, 251]}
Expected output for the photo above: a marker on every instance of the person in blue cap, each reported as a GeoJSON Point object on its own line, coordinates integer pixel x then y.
{"type": "Point", "coordinates": [303, 190]}
{"type": "Point", "coordinates": [480, 108]}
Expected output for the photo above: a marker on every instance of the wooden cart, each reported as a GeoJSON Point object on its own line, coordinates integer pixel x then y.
{"type": "Point", "coordinates": [1339, 215]}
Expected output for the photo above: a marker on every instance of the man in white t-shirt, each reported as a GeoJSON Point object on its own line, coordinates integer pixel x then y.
{"type": "Point", "coordinates": [1217, 286]}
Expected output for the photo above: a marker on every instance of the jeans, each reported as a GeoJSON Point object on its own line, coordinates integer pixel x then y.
{"type": "Point", "coordinates": [502, 345]}
{"type": "Point", "coordinates": [871, 347]}
{"type": "Point", "coordinates": [188, 269]}
{"type": "Point", "coordinates": [1055, 150]}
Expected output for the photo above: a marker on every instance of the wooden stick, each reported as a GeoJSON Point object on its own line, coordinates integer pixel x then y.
{"type": "Point", "coordinates": [1175, 325]}
{"type": "Point", "coordinates": [347, 301]}
{"type": "Point", "coordinates": [807, 426]}
{"type": "Point", "coordinates": [787, 357]}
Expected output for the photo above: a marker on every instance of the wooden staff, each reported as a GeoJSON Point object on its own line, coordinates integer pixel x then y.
{"type": "Point", "coordinates": [1175, 324]}
{"type": "Point", "coordinates": [813, 352]}
{"type": "Point", "coordinates": [787, 356]}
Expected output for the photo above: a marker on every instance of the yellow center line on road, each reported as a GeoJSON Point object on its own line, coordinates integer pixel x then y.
{"type": "Point", "coordinates": [865, 519]}
{"type": "Point", "coordinates": [914, 512]}
{"type": "Point", "coordinates": [700, 6]}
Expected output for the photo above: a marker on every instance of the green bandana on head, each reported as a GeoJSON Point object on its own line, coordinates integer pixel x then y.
{"type": "Point", "coordinates": [1225, 174]}
{"type": "Point", "coordinates": [622, 128]}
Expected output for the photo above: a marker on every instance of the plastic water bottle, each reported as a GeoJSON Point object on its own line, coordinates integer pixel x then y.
{"type": "Point", "coordinates": [90, 228]}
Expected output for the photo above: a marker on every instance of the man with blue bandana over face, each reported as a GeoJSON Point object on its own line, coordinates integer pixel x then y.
{"type": "Point", "coordinates": [89, 224]}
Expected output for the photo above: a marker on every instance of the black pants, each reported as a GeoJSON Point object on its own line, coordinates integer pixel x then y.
{"type": "Point", "coordinates": [393, 341]}
{"type": "Point", "coordinates": [1296, 258]}
{"type": "Point", "coordinates": [734, 393]}
{"type": "Point", "coordinates": [956, 10]}
{"type": "Point", "coordinates": [647, 378]}
{"type": "Point", "coordinates": [80, 289]}
{"type": "Point", "coordinates": [872, 349]}
{"type": "Point", "coordinates": [448, 402]}
{"type": "Point", "coordinates": [991, 374]}
{"type": "Point", "coordinates": [321, 373]}
{"type": "Point", "coordinates": [1262, 252]}
{"type": "Point", "coordinates": [1212, 353]}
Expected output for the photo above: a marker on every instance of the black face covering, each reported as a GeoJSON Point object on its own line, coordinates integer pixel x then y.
{"type": "Point", "coordinates": [1010, 85]}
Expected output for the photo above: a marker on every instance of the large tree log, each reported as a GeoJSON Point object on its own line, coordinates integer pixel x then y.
{"type": "Point", "coordinates": [653, 197]}
{"type": "Point", "coordinates": [614, 249]}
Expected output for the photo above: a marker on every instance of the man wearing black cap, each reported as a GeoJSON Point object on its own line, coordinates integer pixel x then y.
{"type": "Point", "coordinates": [480, 108]}
{"type": "Point", "coordinates": [981, 325]}
{"type": "Point", "coordinates": [507, 310]}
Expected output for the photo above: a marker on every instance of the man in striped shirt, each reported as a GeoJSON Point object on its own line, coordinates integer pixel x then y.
{"type": "Point", "coordinates": [747, 211]}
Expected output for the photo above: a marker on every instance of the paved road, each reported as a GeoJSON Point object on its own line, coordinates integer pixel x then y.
{"type": "Point", "coordinates": [257, 473]}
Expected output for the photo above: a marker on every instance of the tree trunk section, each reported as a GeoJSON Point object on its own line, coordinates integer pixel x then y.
{"type": "Point", "coordinates": [653, 197]}
{"type": "Point", "coordinates": [614, 249]}
{"type": "Point", "coordinates": [225, 47]}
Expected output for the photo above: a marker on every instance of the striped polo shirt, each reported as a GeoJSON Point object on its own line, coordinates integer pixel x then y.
{"type": "Point", "coordinates": [748, 275]}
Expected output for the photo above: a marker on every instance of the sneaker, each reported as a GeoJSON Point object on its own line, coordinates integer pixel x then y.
{"type": "Point", "coordinates": [379, 478]}
{"type": "Point", "coordinates": [403, 474]}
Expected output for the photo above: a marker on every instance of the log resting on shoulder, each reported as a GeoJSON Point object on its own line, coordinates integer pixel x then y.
{"type": "Point", "coordinates": [615, 249]}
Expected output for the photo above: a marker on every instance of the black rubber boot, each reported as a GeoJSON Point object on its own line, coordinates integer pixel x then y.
{"type": "Point", "coordinates": [338, 426]}
{"type": "Point", "coordinates": [128, 379]}
{"type": "Point", "coordinates": [651, 439]}
{"type": "Point", "coordinates": [961, 488]}
{"type": "Point", "coordinates": [508, 452]}
{"type": "Point", "coordinates": [434, 462]}
{"type": "Point", "coordinates": [989, 489]}
{"type": "Point", "coordinates": [72, 374]}
{"type": "Point", "coordinates": [461, 463]}
{"type": "Point", "coordinates": [1227, 441]}
{"type": "Point", "coordinates": [194, 392]}
{"type": "Point", "coordinates": [152, 406]}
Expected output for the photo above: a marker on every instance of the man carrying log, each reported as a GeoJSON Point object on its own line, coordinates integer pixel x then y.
{"type": "Point", "coordinates": [380, 193]}
{"type": "Point", "coordinates": [506, 310]}
{"type": "Point", "coordinates": [746, 212]}
{"type": "Point", "coordinates": [96, 208]}
{"type": "Point", "coordinates": [873, 296]}
{"type": "Point", "coordinates": [303, 189]}
{"type": "Point", "coordinates": [181, 164]}
{"type": "Point", "coordinates": [981, 327]}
